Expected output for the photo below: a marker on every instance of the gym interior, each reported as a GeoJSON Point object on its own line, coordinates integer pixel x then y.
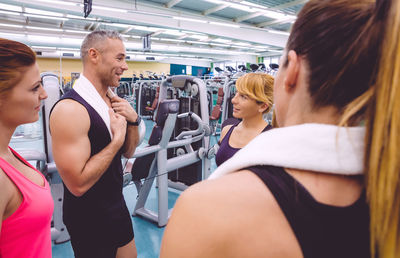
{"type": "Point", "coordinates": [183, 58]}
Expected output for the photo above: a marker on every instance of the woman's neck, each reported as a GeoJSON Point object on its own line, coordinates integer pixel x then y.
{"type": "Point", "coordinates": [5, 137]}
{"type": "Point", "coordinates": [253, 122]}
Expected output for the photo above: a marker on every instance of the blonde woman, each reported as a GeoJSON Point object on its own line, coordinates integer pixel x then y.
{"type": "Point", "coordinates": [253, 99]}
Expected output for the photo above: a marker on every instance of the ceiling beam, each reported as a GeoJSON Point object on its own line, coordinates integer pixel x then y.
{"type": "Point", "coordinates": [269, 23]}
{"type": "Point", "coordinates": [172, 3]}
{"type": "Point", "coordinates": [215, 9]}
{"type": "Point", "coordinates": [127, 30]}
{"type": "Point", "coordinates": [290, 4]}
{"type": "Point", "coordinates": [247, 16]}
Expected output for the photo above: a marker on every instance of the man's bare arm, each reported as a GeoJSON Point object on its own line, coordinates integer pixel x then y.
{"type": "Point", "coordinates": [69, 126]}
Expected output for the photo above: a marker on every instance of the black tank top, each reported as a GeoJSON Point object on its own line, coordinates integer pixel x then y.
{"type": "Point", "coordinates": [321, 230]}
{"type": "Point", "coordinates": [103, 204]}
{"type": "Point", "coordinates": [225, 151]}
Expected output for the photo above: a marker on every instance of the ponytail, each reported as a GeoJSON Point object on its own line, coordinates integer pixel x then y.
{"type": "Point", "coordinates": [382, 157]}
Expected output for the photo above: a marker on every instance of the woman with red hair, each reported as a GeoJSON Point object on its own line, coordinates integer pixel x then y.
{"type": "Point", "coordinates": [26, 205]}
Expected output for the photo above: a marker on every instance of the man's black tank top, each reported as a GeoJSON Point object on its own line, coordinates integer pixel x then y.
{"type": "Point", "coordinates": [321, 230]}
{"type": "Point", "coordinates": [103, 205]}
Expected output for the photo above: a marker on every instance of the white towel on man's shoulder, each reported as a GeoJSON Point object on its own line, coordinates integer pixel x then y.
{"type": "Point", "coordinates": [89, 93]}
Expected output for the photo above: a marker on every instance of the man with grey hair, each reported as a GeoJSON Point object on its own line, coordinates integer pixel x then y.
{"type": "Point", "coordinates": [91, 129]}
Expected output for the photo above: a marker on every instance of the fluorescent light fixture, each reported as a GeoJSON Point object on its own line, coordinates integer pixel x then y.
{"type": "Point", "coordinates": [197, 42]}
{"type": "Point", "coordinates": [9, 35]}
{"type": "Point", "coordinates": [146, 28]}
{"type": "Point", "coordinates": [44, 39]}
{"type": "Point", "coordinates": [77, 31]}
{"type": "Point", "coordinates": [59, 2]}
{"type": "Point", "coordinates": [119, 25]}
{"type": "Point", "coordinates": [216, 1]}
{"type": "Point", "coordinates": [11, 7]}
{"type": "Point", "coordinates": [241, 7]}
{"type": "Point", "coordinates": [69, 49]}
{"type": "Point", "coordinates": [44, 47]}
{"type": "Point", "coordinates": [172, 32]}
{"type": "Point", "coordinates": [36, 11]}
{"type": "Point", "coordinates": [222, 40]}
{"type": "Point", "coordinates": [200, 37]}
{"type": "Point", "coordinates": [45, 17]}
{"type": "Point", "coordinates": [96, 7]}
{"type": "Point", "coordinates": [278, 16]}
{"type": "Point", "coordinates": [274, 50]}
{"type": "Point", "coordinates": [40, 28]}
{"type": "Point", "coordinates": [10, 13]}
{"type": "Point", "coordinates": [11, 25]}
{"type": "Point", "coordinates": [173, 40]}
{"type": "Point", "coordinates": [242, 44]}
{"type": "Point", "coordinates": [218, 45]}
{"type": "Point", "coordinates": [241, 47]}
{"type": "Point", "coordinates": [80, 17]}
{"type": "Point", "coordinates": [188, 19]}
{"type": "Point", "coordinates": [224, 24]}
{"type": "Point", "coordinates": [279, 32]}
{"type": "Point", "coordinates": [71, 41]}
{"type": "Point", "coordinates": [133, 45]}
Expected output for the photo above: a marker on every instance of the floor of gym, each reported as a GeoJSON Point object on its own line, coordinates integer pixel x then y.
{"type": "Point", "coordinates": [147, 234]}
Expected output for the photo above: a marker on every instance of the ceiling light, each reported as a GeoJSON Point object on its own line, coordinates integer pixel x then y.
{"type": "Point", "coordinates": [40, 28]}
{"type": "Point", "coordinates": [11, 25]}
{"type": "Point", "coordinates": [36, 11]}
{"type": "Point", "coordinates": [7, 12]}
{"type": "Point", "coordinates": [133, 45]}
{"type": "Point", "coordinates": [188, 19]}
{"type": "Point", "coordinates": [44, 39]}
{"type": "Point", "coordinates": [59, 2]}
{"type": "Point", "coordinates": [200, 37]}
{"type": "Point", "coordinates": [79, 17]}
{"type": "Point", "coordinates": [145, 28]}
{"type": "Point", "coordinates": [120, 25]}
{"type": "Point", "coordinates": [241, 7]}
{"type": "Point", "coordinates": [173, 40]}
{"type": "Point", "coordinates": [109, 9]}
{"type": "Point", "coordinates": [45, 17]}
{"type": "Point", "coordinates": [43, 47]}
{"type": "Point", "coordinates": [77, 31]}
{"type": "Point", "coordinates": [223, 40]}
{"type": "Point", "coordinates": [279, 32]}
{"type": "Point", "coordinates": [225, 24]}
{"type": "Point", "coordinates": [218, 45]}
{"type": "Point", "coordinates": [69, 49]}
{"type": "Point", "coordinates": [172, 32]}
{"type": "Point", "coordinates": [11, 7]}
{"type": "Point", "coordinates": [197, 42]}
{"type": "Point", "coordinates": [8, 35]}
{"type": "Point", "coordinates": [216, 1]}
{"type": "Point", "coordinates": [274, 50]}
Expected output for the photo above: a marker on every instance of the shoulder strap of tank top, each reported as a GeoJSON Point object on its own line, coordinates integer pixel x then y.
{"type": "Point", "coordinates": [267, 128]}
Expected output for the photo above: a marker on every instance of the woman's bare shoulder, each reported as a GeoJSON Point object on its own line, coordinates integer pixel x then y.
{"type": "Point", "coordinates": [224, 131]}
{"type": "Point", "coordinates": [222, 212]}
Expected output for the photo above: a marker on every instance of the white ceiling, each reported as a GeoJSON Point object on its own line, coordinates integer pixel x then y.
{"type": "Point", "coordinates": [208, 30]}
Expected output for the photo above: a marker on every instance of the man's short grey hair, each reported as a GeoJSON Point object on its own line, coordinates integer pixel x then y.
{"type": "Point", "coordinates": [95, 38]}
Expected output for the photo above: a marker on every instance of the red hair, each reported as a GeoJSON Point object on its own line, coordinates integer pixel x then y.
{"type": "Point", "coordinates": [15, 57]}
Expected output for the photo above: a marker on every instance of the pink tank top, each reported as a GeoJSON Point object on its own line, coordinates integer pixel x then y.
{"type": "Point", "coordinates": [26, 233]}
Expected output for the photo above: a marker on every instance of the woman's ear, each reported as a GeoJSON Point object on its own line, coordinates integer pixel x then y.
{"type": "Point", "coordinates": [263, 107]}
{"type": "Point", "coordinates": [292, 70]}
